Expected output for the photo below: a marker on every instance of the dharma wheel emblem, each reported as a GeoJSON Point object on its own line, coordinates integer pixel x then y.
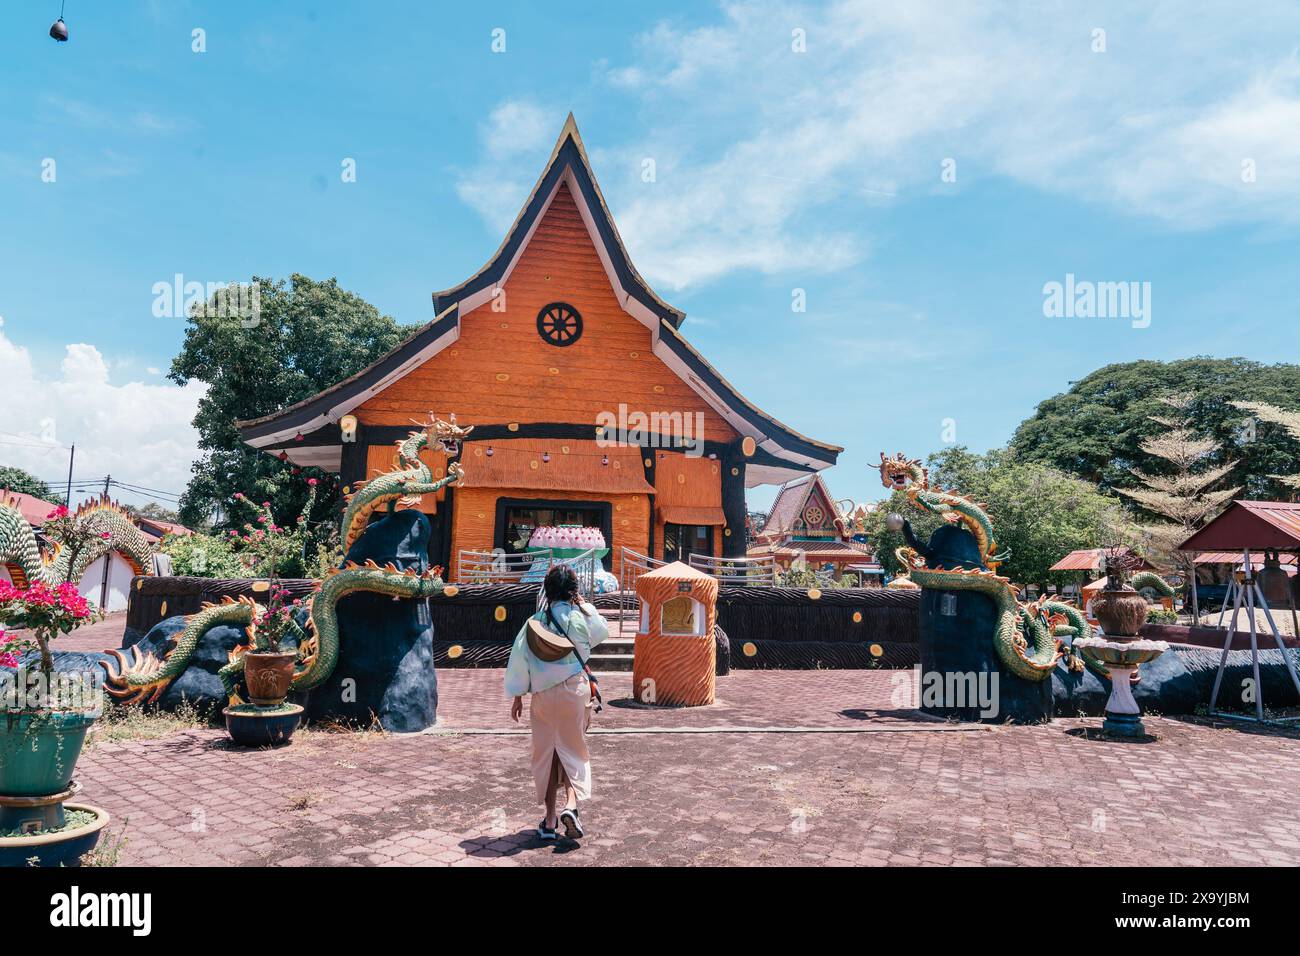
{"type": "Point", "coordinates": [813, 516]}
{"type": "Point", "coordinates": [559, 324]}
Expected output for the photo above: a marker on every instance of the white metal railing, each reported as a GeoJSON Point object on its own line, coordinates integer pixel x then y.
{"type": "Point", "coordinates": [737, 572]}
{"type": "Point", "coordinates": [631, 565]}
{"type": "Point", "coordinates": [497, 567]}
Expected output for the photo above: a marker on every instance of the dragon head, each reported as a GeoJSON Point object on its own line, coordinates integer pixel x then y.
{"type": "Point", "coordinates": [897, 472]}
{"type": "Point", "coordinates": [447, 435]}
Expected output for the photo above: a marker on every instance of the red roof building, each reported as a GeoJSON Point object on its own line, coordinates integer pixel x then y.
{"type": "Point", "coordinates": [806, 524]}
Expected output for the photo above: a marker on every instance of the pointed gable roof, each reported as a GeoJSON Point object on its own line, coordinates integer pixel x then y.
{"type": "Point", "coordinates": [782, 453]}
{"type": "Point", "coordinates": [569, 165]}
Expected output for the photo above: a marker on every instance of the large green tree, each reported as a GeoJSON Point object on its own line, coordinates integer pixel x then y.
{"type": "Point", "coordinates": [23, 482]}
{"type": "Point", "coordinates": [308, 335]}
{"type": "Point", "coordinates": [1095, 430]}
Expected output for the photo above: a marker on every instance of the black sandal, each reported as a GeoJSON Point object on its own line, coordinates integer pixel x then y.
{"type": "Point", "coordinates": [572, 825]}
{"type": "Point", "coordinates": [546, 833]}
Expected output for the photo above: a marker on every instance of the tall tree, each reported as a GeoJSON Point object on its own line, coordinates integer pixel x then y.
{"type": "Point", "coordinates": [308, 335]}
{"type": "Point", "coordinates": [1181, 494]}
{"type": "Point", "coordinates": [1290, 425]}
{"type": "Point", "coordinates": [1095, 430]}
{"type": "Point", "coordinates": [24, 482]}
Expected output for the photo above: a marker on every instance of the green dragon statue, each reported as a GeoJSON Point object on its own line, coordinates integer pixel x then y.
{"type": "Point", "coordinates": [113, 531]}
{"type": "Point", "coordinates": [1025, 637]}
{"type": "Point", "coordinates": [144, 678]}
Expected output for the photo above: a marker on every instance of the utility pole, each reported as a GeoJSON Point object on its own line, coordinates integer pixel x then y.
{"type": "Point", "coordinates": [67, 500]}
{"type": "Point", "coordinates": [108, 559]}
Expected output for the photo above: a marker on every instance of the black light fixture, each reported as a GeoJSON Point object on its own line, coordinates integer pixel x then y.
{"type": "Point", "coordinates": [546, 458]}
{"type": "Point", "coordinates": [489, 451]}
{"type": "Point", "coordinates": [604, 459]}
{"type": "Point", "coordinates": [59, 29]}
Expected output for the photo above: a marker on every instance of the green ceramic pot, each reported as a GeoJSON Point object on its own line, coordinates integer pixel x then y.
{"type": "Point", "coordinates": [39, 750]}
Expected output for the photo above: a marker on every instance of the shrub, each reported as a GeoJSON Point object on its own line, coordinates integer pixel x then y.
{"type": "Point", "coordinates": [1161, 615]}
{"type": "Point", "coordinates": [203, 556]}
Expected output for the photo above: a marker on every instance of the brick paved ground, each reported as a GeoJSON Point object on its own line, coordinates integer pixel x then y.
{"type": "Point", "coordinates": [892, 790]}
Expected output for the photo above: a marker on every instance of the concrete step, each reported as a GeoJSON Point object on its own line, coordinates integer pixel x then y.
{"type": "Point", "coordinates": [610, 664]}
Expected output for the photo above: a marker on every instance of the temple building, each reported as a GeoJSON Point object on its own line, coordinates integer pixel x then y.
{"type": "Point", "coordinates": [807, 526]}
{"type": "Point", "coordinates": [589, 407]}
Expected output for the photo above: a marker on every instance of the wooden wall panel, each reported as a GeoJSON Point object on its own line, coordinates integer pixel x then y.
{"type": "Point", "coordinates": [500, 370]}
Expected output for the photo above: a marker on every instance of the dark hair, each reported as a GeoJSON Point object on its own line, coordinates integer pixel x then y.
{"type": "Point", "coordinates": [561, 584]}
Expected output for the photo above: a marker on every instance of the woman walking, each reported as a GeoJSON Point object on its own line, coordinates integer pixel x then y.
{"type": "Point", "coordinates": [549, 661]}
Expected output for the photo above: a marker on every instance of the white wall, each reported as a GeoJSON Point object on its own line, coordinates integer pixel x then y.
{"type": "Point", "coordinates": [119, 582]}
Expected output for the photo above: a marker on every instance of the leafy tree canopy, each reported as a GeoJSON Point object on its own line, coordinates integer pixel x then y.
{"type": "Point", "coordinates": [309, 335]}
{"type": "Point", "coordinates": [23, 482]}
{"type": "Point", "coordinates": [1096, 429]}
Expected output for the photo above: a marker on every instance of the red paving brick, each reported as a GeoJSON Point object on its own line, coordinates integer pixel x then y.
{"type": "Point", "coordinates": [895, 791]}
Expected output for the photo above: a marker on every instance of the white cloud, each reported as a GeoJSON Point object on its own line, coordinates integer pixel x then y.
{"type": "Point", "coordinates": [138, 433]}
{"type": "Point", "coordinates": [498, 186]}
{"type": "Point", "coordinates": [764, 154]}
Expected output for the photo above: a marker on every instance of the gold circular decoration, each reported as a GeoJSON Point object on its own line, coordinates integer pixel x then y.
{"type": "Point", "coordinates": [726, 532]}
{"type": "Point", "coordinates": [533, 464]}
{"type": "Point", "coordinates": [749, 649]}
{"type": "Point", "coordinates": [814, 515]}
{"type": "Point", "coordinates": [735, 472]}
{"type": "Point", "coordinates": [450, 590]}
{"type": "Point", "coordinates": [139, 583]}
{"type": "Point", "coordinates": [648, 462]}
{"type": "Point", "coordinates": [857, 617]}
{"type": "Point", "coordinates": [162, 609]}
{"type": "Point", "coordinates": [681, 478]}
{"type": "Point", "coordinates": [260, 586]}
{"type": "Point", "coordinates": [500, 612]}
{"type": "Point", "coordinates": [481, 516]}
{"type": "Point", "coordinates": [502, 377]}
{"type": "Point", "coordinates": [659, 389]}
{"type": "Point", "coordinates": [478, 452]}
{"type": "Point", "coordinates": [634, 355]}
{"type": "Point", "coordinates": [617, 464]}
{"type": "Point", "coordinates": [347, 489]}
{"type": "Point", "coordinates": [625, 522]}
{"type": "Point", "coordinates": [564, 449]}
{"type": "Point", "coordinates": [814, 594]}
{"type": "Point", "coordinates": [748, 446]}
{"type": "Point", "coordinates": [877, 650]}
{"type": "Point", "coordinates": [455, 651]}
{"type": "Point", "coordinates": [505, 325]}
{"type": "Point", "coordinates": [513, 426]}
{"type": "Point", "coordinates": [553, 370]}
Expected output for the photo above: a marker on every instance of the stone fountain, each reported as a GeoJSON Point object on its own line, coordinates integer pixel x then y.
{"type": "Point", "coordinates": [1121, 656]}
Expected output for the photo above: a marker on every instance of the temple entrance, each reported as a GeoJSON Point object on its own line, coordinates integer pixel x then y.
{"type": "Point", "coordinates": [683, 540]}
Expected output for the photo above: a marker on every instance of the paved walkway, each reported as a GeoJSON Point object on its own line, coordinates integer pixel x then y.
{"type": "Point", "coordinates": [886, 787]}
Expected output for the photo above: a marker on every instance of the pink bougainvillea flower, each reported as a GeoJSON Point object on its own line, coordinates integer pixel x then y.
{"type": "Point", "coordinates": [311, 481]}
{"type": "Point", "coordinates": [60, 512]}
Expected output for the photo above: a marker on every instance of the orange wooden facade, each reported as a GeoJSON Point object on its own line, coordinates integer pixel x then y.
{"type": "Point", "coordinates": [537, 400]}
{"type": "Point", "coordinates": [502, 372]}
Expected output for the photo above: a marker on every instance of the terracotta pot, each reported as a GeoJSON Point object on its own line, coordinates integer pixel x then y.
{"type": "Point", "coordinates": [268, 675]}
{"type": "Point", "coordinates": [1121, 613]}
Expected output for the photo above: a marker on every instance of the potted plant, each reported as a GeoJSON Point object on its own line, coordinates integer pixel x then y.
{"type": "Point", "coordinates": [44, 723]}
{"type": "Point", "coordinates": [1119, 608]}
{"type": "Point", "coordinates": [268, 669]}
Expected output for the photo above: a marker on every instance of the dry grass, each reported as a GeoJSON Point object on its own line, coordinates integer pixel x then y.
{"type": "Point", "coordinates": [120, 724]}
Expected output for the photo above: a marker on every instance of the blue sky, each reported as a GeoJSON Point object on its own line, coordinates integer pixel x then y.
{"type": "Point", "coordinates": [795, 147]}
